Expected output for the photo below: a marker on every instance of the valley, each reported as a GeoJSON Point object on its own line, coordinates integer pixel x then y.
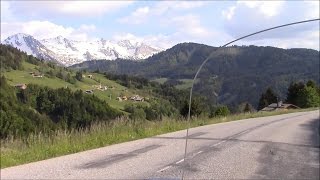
{"type": "Point", "coordinates": [228, 76]}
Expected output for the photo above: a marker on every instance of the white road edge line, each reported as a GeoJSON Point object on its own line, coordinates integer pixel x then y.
{"type": "Point", "coordinates": [198, 152]}
{"type": "Point", "coordinates": [163, 169]}
{"type": "Point", "coordinates": [180, 161]}
{"type": "Point", "coordinates": [218, 143]}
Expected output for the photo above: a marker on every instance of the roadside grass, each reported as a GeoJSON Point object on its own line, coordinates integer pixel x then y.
{"type": "Point", "coordinates": [16, 151]}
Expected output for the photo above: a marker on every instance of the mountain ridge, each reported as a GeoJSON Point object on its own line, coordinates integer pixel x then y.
{"type": "Point", "coordinates": [68, 52]}
{"type": "Point", "coordinates": [229, 73]}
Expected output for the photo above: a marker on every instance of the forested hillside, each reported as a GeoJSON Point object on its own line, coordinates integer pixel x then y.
{"type": "Point", "coordinates": [40, 109]}
{"type": "Point", "coordinates": [38, 96]}
{"type": "Point", "coordinates": [48, 97]}
{"type": "Point", "coordinates": [232, 75]}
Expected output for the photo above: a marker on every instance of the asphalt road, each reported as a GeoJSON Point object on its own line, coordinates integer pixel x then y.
{"type": "Point", "coordinates": [284, 146]}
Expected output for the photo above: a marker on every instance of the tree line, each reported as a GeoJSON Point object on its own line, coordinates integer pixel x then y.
{"type": "Point", "coordinates": [41, 109]}
{"type": "Point", "coordinates": [303, 95]}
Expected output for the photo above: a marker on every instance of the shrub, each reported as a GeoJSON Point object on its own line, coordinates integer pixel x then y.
{"type": "Point", "coordinates": [138, 114]}
{"type": "Point", "coordinates": [222, 111]}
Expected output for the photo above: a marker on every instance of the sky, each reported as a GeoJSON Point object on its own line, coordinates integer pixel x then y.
{"type": "Point", "coordinates": [165, 23]}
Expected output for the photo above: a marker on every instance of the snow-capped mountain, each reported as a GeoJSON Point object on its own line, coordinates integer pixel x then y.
{"type": "Point", "coordinates": [69, 52]}
{"type": "Point", "coordinates": [30, 45]}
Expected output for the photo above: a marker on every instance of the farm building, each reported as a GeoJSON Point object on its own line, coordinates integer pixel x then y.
{"type": "Point", "coordinates": [21, 86]}
{"type": "Point", "coordinates": [279, 106]}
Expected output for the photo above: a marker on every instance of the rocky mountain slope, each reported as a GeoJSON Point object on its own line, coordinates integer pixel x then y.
{"type": "Point", "coordinates": [68, 52]}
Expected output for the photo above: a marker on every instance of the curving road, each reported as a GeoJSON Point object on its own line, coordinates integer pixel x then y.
{"type": "Point", "coordinates": [283, 146]}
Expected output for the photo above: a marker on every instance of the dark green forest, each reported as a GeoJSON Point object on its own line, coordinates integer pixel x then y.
{"type": "Point", "coordinates": [40, 109]}
{"type": "Point", "coordinates": [236, 74]}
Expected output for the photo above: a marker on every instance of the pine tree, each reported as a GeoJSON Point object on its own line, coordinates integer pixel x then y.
{"type": "Point", "coordinates": [267, 98]}
{"type": "Point", "coordinates": [293, 92]}
{"type": "Point", "coordinates": [247, 108]}
{"type": "Point", "coordinates": [79, 76]}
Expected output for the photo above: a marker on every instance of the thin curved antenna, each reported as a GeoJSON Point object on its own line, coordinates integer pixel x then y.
{"type": "Point", "coordinates": [206, 60]}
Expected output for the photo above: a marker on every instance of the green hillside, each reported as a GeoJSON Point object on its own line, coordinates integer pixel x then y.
{"type": "Point", "coordinates": [55, 97]}
{"type": "Point", "coordinates": [114, 90]}
{"type": "Point", "coordinates": [23, 76]}
{"type": "Point", "coordinates": [232, 75]}
{"type": "Point", "coordinates": [71, 99]}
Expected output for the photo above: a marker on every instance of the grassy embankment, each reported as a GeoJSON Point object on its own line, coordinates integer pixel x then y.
{"type": "Point", "coordinates": [39, 147]}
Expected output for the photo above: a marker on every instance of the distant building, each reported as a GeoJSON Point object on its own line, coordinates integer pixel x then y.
{"type": "Point", "coordinates": [21, 86]}
{"type": "Point", "coordinates": [124, 98]}
{"type": "Point", "coordinates": [279, 106]}
{"type": "Point", "coordinates": [89, 91]}
{"type": "Point", "coordinates": [37, 75]}
{"type": "Point", "coordinates": [90, 76]}
{"type": "Point", "coordinates": [119, 99]}
{"type": "Point", "coordinates": [137, 98]}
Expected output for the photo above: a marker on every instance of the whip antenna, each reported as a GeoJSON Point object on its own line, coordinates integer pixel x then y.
{"type": "Point", "coordinates": [205, 61]}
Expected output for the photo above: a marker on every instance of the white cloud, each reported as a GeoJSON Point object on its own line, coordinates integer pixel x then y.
{"type": "Point", "coordinates": [160, 9]}
{"type": "Point", "coordinates": [309, 40]}
{"type": "Point", "coordinates": [45, 29]}
{"type": "Point", "coordinates": [312, 9]}
{"type": "Point", "coordinates": [267, 8]}
{"type": "Point", "coordinates": [190, 25]}
{"type": "Point", "coordinates": [250, 16]}
{"type": "Point", "coordinates": [137, 17]}
{"type": "Point", "coordinates": [229, 12]}
{"type": "Point", "coordinates": [85, 27]}
{"type": "Point", "coordinates": [91, 7]}
{"type": "Point", "coordinates": [126, 36]}
{"type": "Point", "coordinates": [73, 8]}
{"type": "Point", "coordinates": [164, 6]}
{"type": "Point", "coordinates": [6, 14]}
{"type": "Point", "coordinates": [158, 40]}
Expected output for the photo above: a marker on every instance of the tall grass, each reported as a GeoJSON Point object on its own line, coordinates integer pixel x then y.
{"type": "Point", "coordinates": [35, 147]}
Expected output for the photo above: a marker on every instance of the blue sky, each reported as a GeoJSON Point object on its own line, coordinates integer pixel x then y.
{"type": "Point", "coordinates": [164, 23]}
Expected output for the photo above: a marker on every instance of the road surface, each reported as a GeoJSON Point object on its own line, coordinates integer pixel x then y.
{"type": "Point", "coordinates": [283, 146]}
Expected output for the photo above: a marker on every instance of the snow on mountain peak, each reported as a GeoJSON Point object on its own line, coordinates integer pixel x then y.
{"type": "Point", "coordinates": [30, 45]}
{"type": "Point", "coordinates": [24, 42]}
{"type": "Point", "coordinates": [69, 52]}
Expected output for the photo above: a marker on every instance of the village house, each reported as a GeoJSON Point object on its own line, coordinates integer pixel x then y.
{"type": "Point", "coordinates": [99, 87]}
{"type": "Point", "coordinates": [103, 88]}
{"type": "Point", "coordinates": [124, 98]}
{"type": "Point", "coordinates": [89, 91]}
{"type": "Point", "coordinates": [37, 75]}
{"type": "Point", "coordinates": [137, 98]}
{"type": "Point", "coordinates": [279, 106]}
{"type": "Point", "coordinates": [89, 76]}
{"type": "Point", "coordinates": [21, 86]}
